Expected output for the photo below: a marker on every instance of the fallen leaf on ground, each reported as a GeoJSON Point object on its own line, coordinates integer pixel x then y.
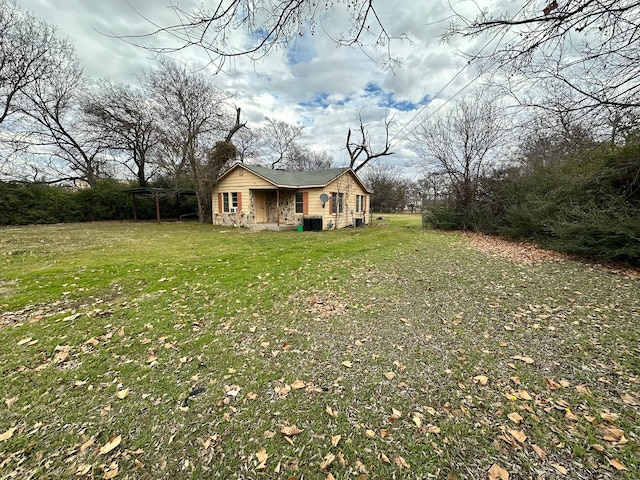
{"type": "Point", "coordinates": [527, 360]}
{"type": "Point", "coordinates": [347, 364]}
{"type": "Point", "coordinates": [335, 440]}
{"type": "Point", "coordinates": [616, 464]}
{"type": "Point", "coordinates": [630, 399]}
{"type": "Point", "coordinates": [89, 443]}
{"type": "Point", "coordinates": [401, 462]}
{"type": "Point", "coordinates": [515, 417]}
{"type": "Point", "coordinates": [523, 395]}
{"type": "Point", "coordinates": [111, 444]}
{"type": "Point", "coordinates": [290, 430]}
{"type": "Point", "coordinates": [328, 459]}
{"type": "Point", "coordinates": [389, 375]}
{"type": "Point", "coordinates": [298, 384]}
{"type": "Point", "coordinates": [83, 470]}
{"type": "Point", "coordinates": [481, 379]}
{"type": "Point", "coordinates": [613, 434]}
{"type": "Point", "coordinates": [542, 454]}
{"type": "Point", "coordinates": [112, 471]}
{"type": "Point", "coordinates": [552, 384]}
{"type": "Point", "coordinates": [583, 389]}
{"type": "Point", "coordinates": [518, 435]}
{"type": "Point", "coordinates": [609, 417]}
{"type": "Point", "coordinates": [122, 394]}
{"type": "Point", "coordinates": [559, 468]}
{"type": "Point", "coordinates": [11, 401]}
{"type": "Point", "coordinates": [262, 456]}
{"type": "Point", "coordinates": [8, 434]}
{"type": "Point", "coordinates": [496, 472]}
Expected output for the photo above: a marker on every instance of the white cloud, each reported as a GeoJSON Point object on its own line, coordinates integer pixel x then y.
{"type": "Point", "coordinates": [315, 83]}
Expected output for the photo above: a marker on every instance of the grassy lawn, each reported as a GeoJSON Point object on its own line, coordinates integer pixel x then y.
{"type": "Point", "coordinates": [191, 351]}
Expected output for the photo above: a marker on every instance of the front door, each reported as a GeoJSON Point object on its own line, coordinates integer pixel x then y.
{"type": "Point", "coordinates": [260, 206]}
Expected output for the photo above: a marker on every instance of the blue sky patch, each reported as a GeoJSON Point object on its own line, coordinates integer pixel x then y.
{"type": "Point", "coordinates": [388, 100]}
{"type": "Point", "coordinates": [320, 100]}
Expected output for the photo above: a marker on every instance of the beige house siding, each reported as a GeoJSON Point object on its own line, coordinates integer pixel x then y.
{"type": "Point", "coordinates": [260, 201]}
{"type": "Point", "coordinates": [242, 182]}
{"type": "Point", "coordinates": [346, 185]}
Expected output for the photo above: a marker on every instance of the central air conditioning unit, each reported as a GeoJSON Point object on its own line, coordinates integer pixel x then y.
{"type": "Point", "coordinates": [234, 209]}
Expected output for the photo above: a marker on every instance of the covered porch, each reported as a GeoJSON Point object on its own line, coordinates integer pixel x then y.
{"type": "Point", "coordinates": [274, 209]}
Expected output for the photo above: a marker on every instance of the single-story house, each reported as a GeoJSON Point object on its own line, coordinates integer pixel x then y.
{"type": "Point", "coordinates": [248, 195]}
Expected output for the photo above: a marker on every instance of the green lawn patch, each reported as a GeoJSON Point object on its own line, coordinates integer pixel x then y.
{"type": "Point", "coordinates": [181, 350]}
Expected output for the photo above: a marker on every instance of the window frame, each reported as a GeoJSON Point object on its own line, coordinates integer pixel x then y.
{"type": "Point", "coordinates": [299, 208]}
{"type": "Point", "coordinates": [337, 203]}
{"type": "Point", "coordinates": [229, 201]}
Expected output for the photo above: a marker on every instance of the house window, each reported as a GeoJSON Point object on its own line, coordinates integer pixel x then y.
{"type": "Point", "coordinates": [229, 202]}
{"type": "Point", "coordinates": [299, 202]}
{"type": "Point", "coordinates": [337, 202]}
{"type": "Point", "coordinates": [358, 203]}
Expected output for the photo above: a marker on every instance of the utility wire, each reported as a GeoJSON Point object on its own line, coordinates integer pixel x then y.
{"type": "Point", "coordinates": [475, 57]}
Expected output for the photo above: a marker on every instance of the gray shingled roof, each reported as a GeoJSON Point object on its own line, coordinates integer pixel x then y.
{"type": "Point", "coordinates": [315, 178]}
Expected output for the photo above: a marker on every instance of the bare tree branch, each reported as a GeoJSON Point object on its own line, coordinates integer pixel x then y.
{"type": "Point", "coordinates": [361, 152]}
{"type": "Point", "coordinates": [268, 25]}
{"type": "Point", "coordinates": [591, 46]}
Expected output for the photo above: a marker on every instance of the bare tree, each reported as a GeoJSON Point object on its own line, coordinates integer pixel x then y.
{"type": "Point", "coordinates": [553, 137]}
{"type": "Point", "coordinates": [459, 143]}
{"type": "Point", "coordinates": [304, 159]}
{"type": "Point", "coordinates": [592, 47]}
{"type": "Point", "coordinates": [26, 46]}
{"type": "Point", "coordinates": [268, 25]}
{"type": "Point", "coordinates": [41, 83]}
{"type": "Point", "coordinates": [279, 142]}
{"type": "Point", "coordinates": [125, 119]}
{"type": "Point", "coordinates": [54, 136]}
{"type": "Point", "coordinates": [388, 186]}
{"type": "Point", "coordinates": [247, 142]}
{"type": "Point", "coordinates": [196, 127]}
{"type": "Point", "coordinates": [361, 152]}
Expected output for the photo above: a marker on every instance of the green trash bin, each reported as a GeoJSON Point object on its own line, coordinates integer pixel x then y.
{"type": "Point", "coordinates": [300, 228]}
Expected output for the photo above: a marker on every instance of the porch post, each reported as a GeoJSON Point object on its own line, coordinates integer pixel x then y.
{"type": "Point", "coordinates": [278, 204]}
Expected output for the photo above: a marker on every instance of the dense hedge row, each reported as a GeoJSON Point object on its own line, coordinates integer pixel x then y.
{"type": "Point", "coordinates": [30, 203]}
{"type": "Point", "coordinates": [588, 205]}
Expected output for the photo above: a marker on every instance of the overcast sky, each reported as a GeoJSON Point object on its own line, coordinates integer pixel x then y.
{"type": "Point", "coordinates": [314, 83]}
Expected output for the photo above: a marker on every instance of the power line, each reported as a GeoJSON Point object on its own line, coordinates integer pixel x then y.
{"type": "Point", "coordinates": [475, 56]}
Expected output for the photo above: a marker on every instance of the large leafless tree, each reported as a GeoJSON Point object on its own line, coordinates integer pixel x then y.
{"type": "Point", "coordinates": [459, 142]}
{"type": "Point", "coordinates": [41, 84]}
{"type": "Point", "coordinates": [279, 142]}
{"type": "Point", "coordinates": [54, 138]}
{"type": "Point", "coordinates": [125, 118]}
{"type": "Point", "coordinates": [197, 127]}
{"type": "Point", "coordinates": [26, 46]}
